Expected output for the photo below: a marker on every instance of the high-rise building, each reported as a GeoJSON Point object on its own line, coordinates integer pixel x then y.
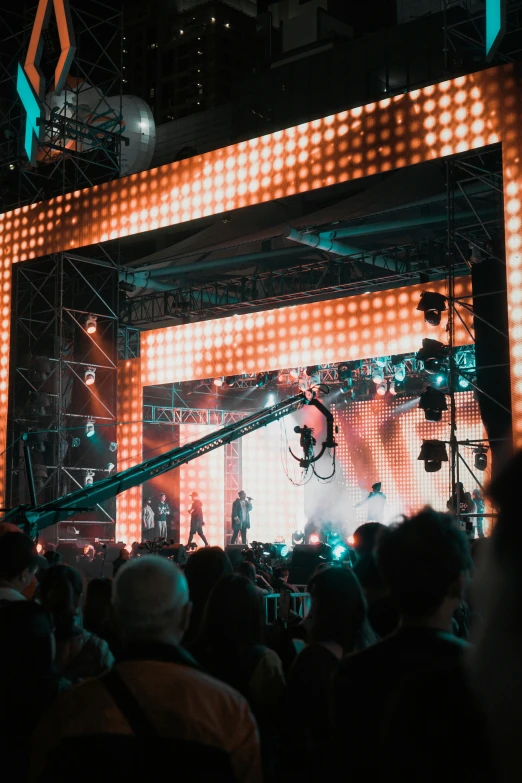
{"type": "Point", "coordinates": [184, 57]}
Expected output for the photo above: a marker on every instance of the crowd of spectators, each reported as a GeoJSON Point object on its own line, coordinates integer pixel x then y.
{"type": "Point", "coordinates": [405, 666]}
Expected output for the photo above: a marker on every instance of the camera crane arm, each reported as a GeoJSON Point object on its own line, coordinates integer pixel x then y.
{"type": "Point", "coordinates": [41, 516]}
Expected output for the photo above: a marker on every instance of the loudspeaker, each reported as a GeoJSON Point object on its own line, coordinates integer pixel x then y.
{"type": "Point", "coordinates": [305, 559]}
{"type": "Point", "coordinates": [234, 553]}
{"type": "Point", "coordinates": [177, 552]}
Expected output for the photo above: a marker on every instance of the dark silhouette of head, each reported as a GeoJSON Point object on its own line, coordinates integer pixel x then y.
{"type": "Point", "coordinates": [247, 570]}
{"type": "Point", "coordinates": [232, 616]}
{"type": "Point", "coordinates": [61, 590]}
{"type": "Point", "coordinates": [18, 560]}
{"type": "Point", "coordinates": [377, 486]}
{"type": "Point", "coordinates": [338, 611]}
{"type": "Point", "coordinates": [203, 570]}
{"type": "Point", "coordinates": [365, 537]}
{"type": "Point", "coordinates": [422, 561]}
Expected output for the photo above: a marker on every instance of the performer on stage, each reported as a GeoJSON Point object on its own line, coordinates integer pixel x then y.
{"type": "Point", "coordinates": [162, 509]}
{"type": "Point", "coordinates": [480, 506]}
{"type": "Point", "coordinates": [196, 519]}
{"type": "Point", "coordinates": [376, 501]}
{"type": "Point", "coordinates": [241, 508]}
{"type": "Point", "coordinates": [148, 520]}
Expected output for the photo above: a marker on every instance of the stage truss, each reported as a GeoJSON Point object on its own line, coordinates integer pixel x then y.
{"type": "Point", "coordinates": [453, 117]}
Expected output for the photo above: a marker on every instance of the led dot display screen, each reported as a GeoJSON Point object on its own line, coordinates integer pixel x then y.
{"type": "Point", "coordinates": [441, 119]}
{"type": "Point", "coordinates": [206, 476]}
{"type": "Point", "coordinates": [355, 327]}
{"type": "Point", "coordinates": [278, 505]}
{"type": "Point", "coordinates": [380, 440]}
{"type": "Point", "coordinates": [130, 446]}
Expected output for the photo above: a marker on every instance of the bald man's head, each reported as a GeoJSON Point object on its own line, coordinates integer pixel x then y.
{"type": "Point", "coordinates": [151, 601]}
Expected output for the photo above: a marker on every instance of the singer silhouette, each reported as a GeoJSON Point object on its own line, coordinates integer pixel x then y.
{"type": "Point", "coordinates": [241, 509]}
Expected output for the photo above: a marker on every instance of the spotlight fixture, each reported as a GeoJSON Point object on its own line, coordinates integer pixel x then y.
{"type": "Point", "coordinates": [88, 478]}
{"type": "Point", "coordinates": [399, 372]}
{"type": "Point", "coordinates": [433, 402]}
{"type": "Point", "coordinates": [432, 305]}
{"type": "Point", "coordinates": [219, 382]}
{"type": "Point", "coordinates": [433, 454]}
{"type": "Point", "coordinates": [90, 324]}
{"type": "Point", "coordinates": [294, 373]}
{"type": "Point", "coordinates": [439, 380]}
{"type": "Point", "coordinates": [463, 382]}
{"type": "Point", "coordinates": [75, 442]}
{"type": "Point", "coordinates": [261, 379]}
{"type": "Point", "coordinates": [433, 355]}
{"type": "Point", "coordinates": [382, 389]}
{"type": "Point", "coordinates": [392, 388]}
{"type": "Point", "coordinates": [346, 385]}
{"type": "Point", "coordinates": [481, 457]}
{"type": "Point", "coordinates": [381, 361]}
{"type": "Point", "coordinates": [113, 446]}
{"type": "Point", "coordinates": [90, 376]}
{"type": "Point", "coordinates": [297, 537]}
{"type": "Point", "coordinates": [344, 372]}
{"type": "Point", "coordinates": [109, 467]}
{"type": "Point", "coordinates": [89, 428]}
{"type": "Point", "coordinates": [377, 377]}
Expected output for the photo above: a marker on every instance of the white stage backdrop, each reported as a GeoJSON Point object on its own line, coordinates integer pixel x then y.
{"type": "Point", "coordinates": [278, 504]}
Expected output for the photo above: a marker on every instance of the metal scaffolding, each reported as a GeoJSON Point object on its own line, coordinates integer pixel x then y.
{"type": "Point", "coordinates": [82, 137]}
{"type": "Point", "coordinates": [55, 358]}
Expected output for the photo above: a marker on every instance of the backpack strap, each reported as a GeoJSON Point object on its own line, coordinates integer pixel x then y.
{"type": "Point", "coordinates": [129, 706]}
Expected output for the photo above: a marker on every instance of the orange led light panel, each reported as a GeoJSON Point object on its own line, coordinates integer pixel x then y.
{"type": "Point", "coordinates": [461, 114]}
{"type": "Point", "coordinates": [355, 327]}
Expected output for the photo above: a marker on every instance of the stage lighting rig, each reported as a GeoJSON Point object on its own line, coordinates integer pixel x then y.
{"type": "Point", "coordinates": [89, 428]}
{"type": "Point", "coordinates": [91, 324]}
{"type": "Point", "coordinates": [399, 372]}
{"type": "Point", "coordinates": [433, 355]}
{"type": "Point", "coordinates": [433, 454]}
{"type": "Point", "coordinates": [481, 457]}
{"type": "Point", "coordinates": [113, 446]}
{"type": "Point", "coordinates": [432, 305]}
{"type": "Point", "coordinates": [433, 402]}
{"type": "Point", "coordinates": [88, 478]}
{"type": "Point", "coordinates": [381, 389]}
{"type": "Point", "coordinates": [90, 376]}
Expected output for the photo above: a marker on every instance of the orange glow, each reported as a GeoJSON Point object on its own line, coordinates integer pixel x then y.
{"type": "Point", "coordinates": [35, 48]}
{"type": "Point", "coordinates": [130, 445]}
{"type": "Point", "coordinates": [355, 327]}
{"type": "Point", "coordinates": [461, 114]}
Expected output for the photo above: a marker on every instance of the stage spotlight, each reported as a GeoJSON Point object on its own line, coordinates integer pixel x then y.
{"type": "Point", "coordinates": [297, 537]}
{"type": "Point", "coordinates": [339, 551]}
{"type": "Point", "coordinates": [219, 382]}
{"type": "Point", "coordinates": [382, 389]}
{"type": "Point", "coordinates": [392, 388]}
{"type": "Point", "coordinates": [463, 382]}
{"type": "Point", "coordinates": [89, 428]}
{"type": "Point", "coordinates": [312, 369]}
{"type": "Point", "coordinates": [381, 361]}
{"type": "Point", "coordinates": [481, 457]}
{"type": "Point", "coordinates": [399, 372]}
{"type": "Point", "coordinates": [113, 446]}
{"type": "Point", "coordinates": [88, 478]}
{"type": "Point", "coordinates": [433, 402]}
{"type": "Point", "coordinates": [75, 442]}
{"type": "Point", "coordinates": [109, 467]}
{"type": "Point", "coordinates": [433, 454]}
{"type": "Point", "coordinates": [261, 379]}
{"type": "Point", "coordinates": [344, 372]}
{"type": "Point", "coordinates": [270, 400]}
{"type": "Point", "coordinates": [350, 540]}
{"type": "Point", "coordinates": [439, 380]}
{"type": "Point", "coordinates": [294, 373]}
{"type": "Point", "coordinates": [90, 376]}
{"type": "Point", "coordinates": [433, 355]}
{"type": "Point", "coordinates": [90, 324]}
{"type": "Point", "coordinates": [432, 305]}
{"type": "Point", "coordinates": [346, 385]}
{"type": "Point", "coordinates": [314, 539]}
{"type": "Point", "coordinates": [377, 377]}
